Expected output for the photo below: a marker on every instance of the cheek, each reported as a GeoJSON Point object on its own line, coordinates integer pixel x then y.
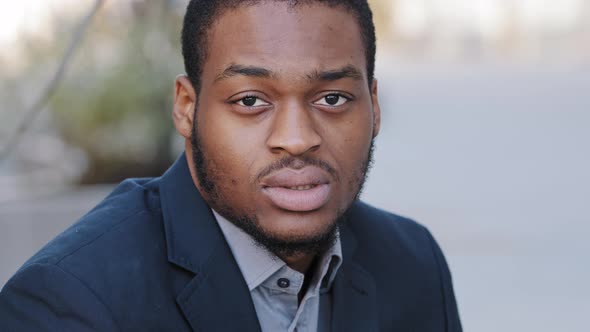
{"type": "Point", "coordinates": [229, 151]}
{"type": "Point", "coordinates": [350, 140]}
{"type": "Point", "coordinates": [349, 145]}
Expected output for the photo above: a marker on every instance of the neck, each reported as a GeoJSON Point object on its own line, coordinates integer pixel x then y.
{"type": "Point", "coordinates": [299, 262]}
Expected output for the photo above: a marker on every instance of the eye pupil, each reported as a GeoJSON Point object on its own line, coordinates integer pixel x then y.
{"type": "Point", "coordinates": [249, 101]}
{"type": "Point", "coordinates": [332, 99]}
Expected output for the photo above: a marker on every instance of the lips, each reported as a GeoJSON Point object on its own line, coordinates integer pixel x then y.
{"type": "Point", "coordinates": [300, 190]}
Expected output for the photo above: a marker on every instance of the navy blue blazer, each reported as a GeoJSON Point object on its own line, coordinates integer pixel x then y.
{"type": "Point", "coordinates": [151, 257]}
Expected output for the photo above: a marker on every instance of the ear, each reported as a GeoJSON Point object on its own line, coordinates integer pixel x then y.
{"type": "Point", "coordinates": [376, 109]}
{"type": "Point", "coordinates": [185, 100]}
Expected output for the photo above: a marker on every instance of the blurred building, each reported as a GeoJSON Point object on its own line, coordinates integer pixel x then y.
{"type": "Point", "coordinates": [506, 29]}
{"type": "Point", "coordinates": [109, 114]}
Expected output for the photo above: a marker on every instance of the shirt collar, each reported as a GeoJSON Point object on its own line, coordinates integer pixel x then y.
{"type": "Point", "coordinates": [257, 264]}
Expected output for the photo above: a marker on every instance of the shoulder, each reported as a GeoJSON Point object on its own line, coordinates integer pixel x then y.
{"type": "Point", "coordinates": [44, 297]}
{"type": "Point", "coordinates": [408, 267]}
{"type": "Point", "coordinates": [391, 245]}
{"type": "Point", "coordinates": [129, 213]}
{"type": "Point", "coordinates": [383, 228]}
{"type": "Point", "coordinates": [66, 282]}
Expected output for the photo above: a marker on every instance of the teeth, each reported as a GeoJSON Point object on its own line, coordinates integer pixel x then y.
{"type": "Point", "coordinates": [306, 187]}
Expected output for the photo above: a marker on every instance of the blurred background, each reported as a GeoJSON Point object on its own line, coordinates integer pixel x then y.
{"type": "Point", "coordinates": [485, 135]}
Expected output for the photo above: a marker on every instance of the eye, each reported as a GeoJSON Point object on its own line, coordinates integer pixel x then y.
{"type": "Point", "coordinates": [251, 101]}
{"type": "Point", "coordinates": [332, 100]}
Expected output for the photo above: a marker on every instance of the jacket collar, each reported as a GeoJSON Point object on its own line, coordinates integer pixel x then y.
{"type": "Point", "coordinates": [354, 296]}
{"type": "Point", "coordinates": [195, 243]}
{"type": "Point", "coordinates": [191, 232]}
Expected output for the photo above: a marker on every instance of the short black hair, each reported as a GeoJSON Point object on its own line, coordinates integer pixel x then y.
{"type": "Point", "coordinates": [201, 14]}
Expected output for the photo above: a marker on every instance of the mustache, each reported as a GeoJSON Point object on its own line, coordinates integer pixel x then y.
{"type": "Point", "coordinates": [298, 163]}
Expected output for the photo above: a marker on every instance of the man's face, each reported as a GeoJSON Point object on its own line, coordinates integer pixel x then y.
{"type": "Point", "coordinates": [285, 120]}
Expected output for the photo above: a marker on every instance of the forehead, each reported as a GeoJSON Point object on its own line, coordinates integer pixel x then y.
{"type": "Point", "coordinates": [286, 39]}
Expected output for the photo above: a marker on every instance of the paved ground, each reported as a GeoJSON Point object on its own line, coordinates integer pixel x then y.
{"type": "Point", "coordinates": [494, 160]}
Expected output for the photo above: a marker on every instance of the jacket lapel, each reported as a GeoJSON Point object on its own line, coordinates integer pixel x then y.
{"type": "Point", "coordinates": [217, 298]}
{"type": "Point", "coordinates": [354, 298]}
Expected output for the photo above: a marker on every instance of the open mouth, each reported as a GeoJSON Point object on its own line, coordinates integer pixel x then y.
{"type": "Point", "coordinates": [300, 198]}
{"type": "Point", "coordinates": [305, 187]}
{"type": "Point", "coordinates": [300, 190]}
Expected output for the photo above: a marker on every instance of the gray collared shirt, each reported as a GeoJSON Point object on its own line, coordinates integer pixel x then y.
{"type": "Point", "coordinates": [274, 286]}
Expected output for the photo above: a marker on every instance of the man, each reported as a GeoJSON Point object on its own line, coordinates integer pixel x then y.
{"type": "Point", "coordinates": [257, 227]}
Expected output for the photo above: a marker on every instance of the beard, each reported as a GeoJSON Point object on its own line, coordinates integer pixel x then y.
{"type": "Point", "coordinates": [248, 221]}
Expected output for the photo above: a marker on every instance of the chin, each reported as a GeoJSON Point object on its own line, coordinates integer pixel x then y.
{"type": "Point", "coordinates": [286, 233]}
{"type": "Point", "coordinates": [288, 224]}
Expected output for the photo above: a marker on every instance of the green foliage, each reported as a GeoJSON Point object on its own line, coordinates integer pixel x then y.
{"type": "Point", "coordinates": [116, 100]}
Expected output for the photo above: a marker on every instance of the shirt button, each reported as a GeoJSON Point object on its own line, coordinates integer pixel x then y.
{"type": "Point", "coordinates": [283, 282]}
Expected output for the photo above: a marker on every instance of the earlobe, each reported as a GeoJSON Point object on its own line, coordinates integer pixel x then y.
{"type": "Point", "coordinates": [184, 105]}
{"type": "Point", "coordinates": [376, 109]}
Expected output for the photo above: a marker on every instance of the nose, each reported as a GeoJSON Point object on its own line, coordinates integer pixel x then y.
{"type": "Point", "coordinates": [293, 131]}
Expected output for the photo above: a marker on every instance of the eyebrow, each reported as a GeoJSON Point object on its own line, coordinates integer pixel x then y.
{"type": "Point", "coordinates": [251, 71]}
{"type": "Point", "coordinates": [348, 71]}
